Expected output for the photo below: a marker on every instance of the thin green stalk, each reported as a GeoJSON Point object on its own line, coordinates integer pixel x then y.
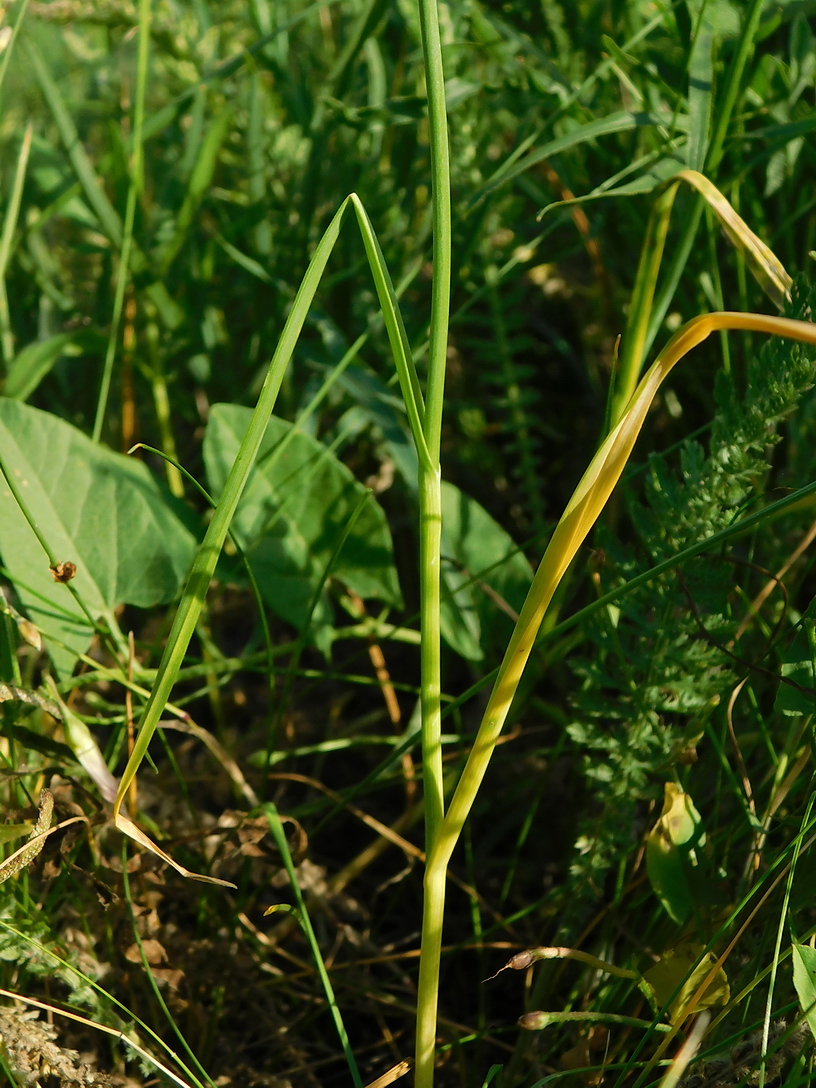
{"type": "Point", "coordinates": [430, 544]}
{"type": "Point", "coordinates": [716, 150]}
{"type": "Point", "coordinates": [18, 22]}
{"type": "Point", "coordinates": [430, 563]}
{"type": "Point", "coordinates": [745, 48]}
{"type": "Point", "coordinates": [430, 481]}
{"type": "Point", "coordinates": [633, 342]}
{"type": "Point", "coordinates": [134, 188]}
{"type": "Point", "coordinates": [783, 915]}
{"type": "Point", "coordinates": [164, 417]}
{"type": "Point", "coordinates": [9, 226]}
{"type": "Point", "coordinates": [276, 828]}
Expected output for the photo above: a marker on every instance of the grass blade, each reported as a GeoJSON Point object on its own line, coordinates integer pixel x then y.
{"type": "Point", "coordinates": [279, 836]}
{"type": "Point", "coordinates": [91, 186]}
{"type": "Point", "coordinates": [9, 226]}
{"type": "Point", "coordinates": [189, 610]}
{"type": "Point", "coordinates": [18, 22]}
{"type": "Point", "coordinates": [135, 186]}
{"type": "Point", "coordinates": [397, 336]}
{"type": "Point", "coordinates": [701, 75]}
{"type": "Point", "coordinates": [200, 181]}
{"type": "Point", "coordinates": [623, 121]}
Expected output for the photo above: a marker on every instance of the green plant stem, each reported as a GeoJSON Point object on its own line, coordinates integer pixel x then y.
{"type": "Point", "coordinates": [716, 150]}
{"type": "Point", "coordinates": [18, 22]}
{"type": "Point", "coordinates": [430, 543]}
{"type": "Point", "coordinates": [433, 916]}
{"type": "Point", "coordinates": [745, 48]}
{"type": "Point", "coordinates": [430, 481]}
{"type": "Point", "coordinates": [134, 188]}
{"type": "Point", "coordinates": [633, 342]}
{"type": "Point", "coordinates": [430, 548]}
{"type": "Point", "coordinates": [9, 225]}
{"type": "Point", "coordinates": [164, 416]}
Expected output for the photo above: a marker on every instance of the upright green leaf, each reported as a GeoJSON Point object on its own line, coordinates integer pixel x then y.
{"type": "Point", "coordinates": [200, 181]}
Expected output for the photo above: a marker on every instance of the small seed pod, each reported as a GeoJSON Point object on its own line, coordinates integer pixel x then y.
{"type": "Point", "coordinates": [521, 961]}
{"type": "Point", "coordinates": [534, 1021]}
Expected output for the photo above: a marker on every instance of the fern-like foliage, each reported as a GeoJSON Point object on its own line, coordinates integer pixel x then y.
{"type": "Point", "coordinates": [660, 660]}
{"type": "Point", "coordinates": [28, 943]}
{"type": "Point", "coordinates": [499, 350]}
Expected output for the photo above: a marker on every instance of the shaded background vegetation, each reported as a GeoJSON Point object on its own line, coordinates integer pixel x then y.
{"type": "Point", "coordinates": [261, 119]}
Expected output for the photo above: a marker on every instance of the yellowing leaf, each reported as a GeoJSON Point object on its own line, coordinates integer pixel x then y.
{"type": "Point", "coordinates": [129, 828]}
{"type": "Point", "coordinates": [765, 266]}
{"type": "Point", "coordinates": [26, 854]}
{"type": "Point", "coordinates": [682, 967]}
{"type": "Point", "coordinates": [583, 510]}
{"type": "Point", "coordinates": [670, 850]}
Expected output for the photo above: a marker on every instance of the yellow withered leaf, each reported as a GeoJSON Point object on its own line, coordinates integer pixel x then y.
{"type": "Point", "coordinates": [687, 967]}
{"type": "Point", "coordinates": [765, 266]}
{"type": "Point", "coordinates": [26, 854]}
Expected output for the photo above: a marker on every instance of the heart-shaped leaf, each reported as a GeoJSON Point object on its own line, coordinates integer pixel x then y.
{"type": "Point", "coordinates": [292, 514]}
{"type": "Point", "coordinates": [97, 509]}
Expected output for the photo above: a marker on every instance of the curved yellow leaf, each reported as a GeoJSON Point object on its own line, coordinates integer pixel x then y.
{"type": "Point", "coordinates": [583, 509]}
{"type": "Point", "coordinates": [765, 266]}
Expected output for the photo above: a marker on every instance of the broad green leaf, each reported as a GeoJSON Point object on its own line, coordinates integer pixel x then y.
{"type": "Point", "coordinates": [804, 980]}
{"type": "Point", "coordinates": [97, 509]}
{"type": "Point", "coordinates": [670, 851]}
{"type": "Point", "coordinates": [294, 508]}
{"type": "Point", "coordinates": [479, 555]}
{"type": "Point", "coordinates": [679, 967]}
